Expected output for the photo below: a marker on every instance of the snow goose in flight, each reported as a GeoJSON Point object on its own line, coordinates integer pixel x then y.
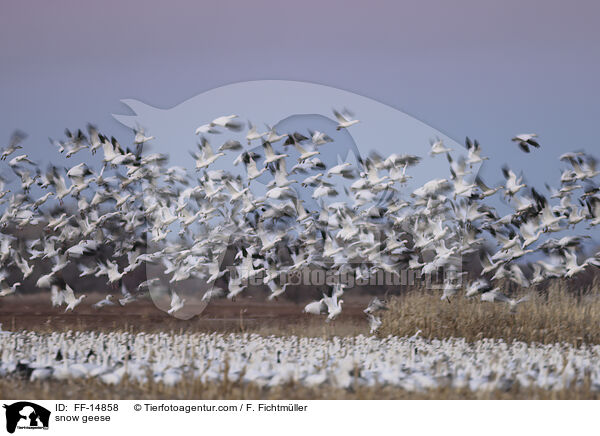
{"type": "Point", "coordinates": [231, 145]}
{"type": "Point", "coordinates": [413, 262]}
{"type": "Point", "coordinates": [516, 275]}
{"type": "Point", "coordinates": [485, 190]}
{"type": "Point", "coordinates": [224, 121]}
{"type": "Point", "coordinates": [493, 295]}
{"type": "Point", "coordinates": [479, 286]}
{"type": "Point", "coordinates": [234, 187]}
{"type": "Point", "coordinates": [57, 297]}
{"type": "Point", "coordinates": [438, 147]}
{"type": "Point", "coordinates": [270, 155]}
{"type": "Point", "coordinates": [22, 158]}
{"type": "Point", "coordinates": [227, 121]}
{"type": "Point", "coordinates": [75, 144]}
{"type": "Point", "coordinates": [324, 190]}
{"type": "Point", "coordinates": [513, 184]}
{"type": "Point", "coordinates": [115, 155]}
{"type": "Point", "coordinates": [511, 254]}
{"type": "Point", "coordinates": [111, 270]}
{"type": "Point", "coordinates": [304, 153]}
{"type": "Point", "coordinates": [207, 129]}
{"type": "Point", "coordinates": [563, 243]}
{"type": "Point", "coordinates": [95, 138]}
{"type": "Point", "coordinates": [450, 289]}
{"type": "Point", "coordinates": [140, 137]}
{"type": "Point", "coordinates": [525, 140]}
{"type": "Point", "coordinates": [312, 180]}
{"type": "Point", "coordinates": [585, 169]}
{"type": "Point", "coordinates": [70, 300]}
{"type": "Point", "coordinates": [431, 188]}
{"type": "Point", "coordinates": [375, 305]}
{"type": "Point", "coordinates": [253, 134]}
{"type": "Point", "coordinates": [78, 175]}
{"type": "Point", "coordinates": [461, 187]}
{"type": "Point", "coordinates": [58, 182]}
{"type": "Point", "coordinates": [272, 136]}
{"type": "Point", "coordinates": [212, 294]}
{"type": "Point", "coordinates": [251, 169]}
{"type": "Point", "coordinates": [319, 138]}
{"type": "Point", "coordinates": [334, 306]}
{"type": "Point", "coordinates": [343, 169]}
{"type": "Point", "coordinates": [458, 168]}
{"type": "Point", "coordinates": [474, 152]}
{"type": "Point", "coordinates": [280, 175]}
{"type": "Point", "coordinates": [554, 267]}
{"type": "Point", "coordinates": [177, 303]}
{"type": "Point", "coordinates": [3, 192]}
{"type": "Point", "coordinates": [45, 281]}
{"type": "Point", "coordinates": [572, 267]}
{"type": "Point", "coordinates": [301, 213]}
{"type": "Point", "coordinates": [538, 275]}
{"type": "Point", "coordinates": [278, 193]}
{"type": "Point", "coordinates": [127, 296]}
{"type": "Point", "coordinates": [26, 179]}
{"type": "Point", "coordinates": [528, 232]}
{"type": "Point", "coordinates": [36, 204]}
{"type": "Point", "coordinates": [548, 220]}
{"type": "Point", "coordinates": [374, 323]}
{"type": "Point", "coordinates": [496, 295]}
{"type": "Point", "coordinates": [14, 144]}
{"type": "Point", "coordinates": [22, 264]}
{"type": "Point", "coordinates": [593, 205]}
{"type": "Point", "coordinates": [8, 290]}
{"type": "Point", "coordinates": [399, 174]}
{"type": "Point", "coordinates": [104, 302]}
{"type": "Point", "coordinates": [235, 286]}
{"type": "Point", "coordinates": [276, 290]}
{"type": "Point", "coordinates": [207, 156]}
{"type": "Point", "coordinates": [344, 119]}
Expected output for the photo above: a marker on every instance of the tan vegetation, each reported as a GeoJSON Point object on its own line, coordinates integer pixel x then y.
{"type": "Point", "coordinates": [553, 316]}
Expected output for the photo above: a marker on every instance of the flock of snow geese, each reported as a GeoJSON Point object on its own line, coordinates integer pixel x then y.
{"type": "Point", "coordinates": [411, 363]}
{"type": "Point", "coordinates": [135, 210]}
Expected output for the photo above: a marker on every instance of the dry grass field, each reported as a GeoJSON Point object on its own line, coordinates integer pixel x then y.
{"type": "Point", "coordinates": [555, 316]}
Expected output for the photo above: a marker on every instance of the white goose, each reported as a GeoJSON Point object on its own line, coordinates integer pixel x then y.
{"type": "Point", "coordinates": [270, 156]}
{"type": "Point", "coordinates": [316, 307]}
{"type": "Point", "coordinates": [207, 156]}
{"type": "Point", "coordinates": [177, 303]}
{"type": "Point", "coordinates": [14, 144]}
{"type": "Point", "coordinates": [8, 290]}
{"type": "Point", "coordinates": [304, 153]}
{"type": "Point", "coordinates": [253, 134]}
{"type": "Point", "coordinates": [334, 306]}
{"type": "Point", "coordinates": [374, 323]}
{"type": "Point", "coordinates": [344, 120]}
{"type": "Point", "coordinates": [438, 147]}
{"type": "Point", "coordinates": [525, 140]}
{"type": "Point", "coordinates": [104, 302]}
{"type": "Point", "coordinates": [70, 300]}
